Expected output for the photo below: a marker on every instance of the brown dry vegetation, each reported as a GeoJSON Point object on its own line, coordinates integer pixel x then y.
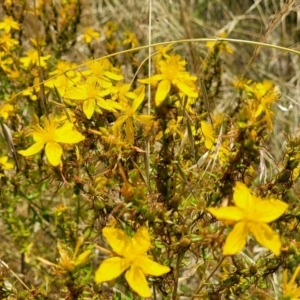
{"type": "Point", "coordinates": [38, 207]}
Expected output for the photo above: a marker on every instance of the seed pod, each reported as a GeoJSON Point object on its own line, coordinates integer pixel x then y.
{"type": "Point", "coordinates": [184, 242]}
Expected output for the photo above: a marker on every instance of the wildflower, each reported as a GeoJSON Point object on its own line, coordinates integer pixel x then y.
{"type": "Point", "coordinates": [174, 126]}
{"type": "Point", "coordinates": [130, 115]}
{"type": "Point", "coordinates": [92, 96]}
{"type": "Point", "coordinates": [110, 137]}
{"type": "Point", "coordinates": [6, 110]}
{"type": "Point", "coordinates": [4, 164]}
{"type": "Point", "coordinates": [51, 137]}
{"type": "Point", "coordinates": [172, 74]}
{"type": "Point", "coordinates": [209, 137]}
{"type": "Point", "coordinates": [221, 46]}
{"type": "Point", "coordinates": [121, 92]}
{"type": "Point", "coordinates": [103, 72]}
{"type": "Point", "coordinates": [240, 83]}
{"type": "Point", "coordinates": [5, 61]}
{"type": "Point", "coordinates": [64, 67]}
{"type": "Point", "coordinates": [262, 95]}
{"type": "Point", "coordinates": [7, 42]}
{"type": "Point", "coordinates": [110, 29]}
{"type": "Point", "coordinates": [90, 34]}
{"type": "Point", "coordinates": [66, 262]}
{"type": "Point", "coordinates": [8, 23]}
{"type": "Point", "coordinates": [32, 59]}
{"type": "Point", "coordinates": [162, 52]}
{"type": "Point", "coordinates": [7, 3]}
{"type": "Point", "coordinates": [131, 39]}
{"type": "Point", "coordinates": [250, 215]}
{"type": "Point", "coordinates": [289, 289]}
{"type": "Point", "coordinates": [130, 258]}
{"type": "Point", "coordinates": [210, 140]}
{"type": "Point", "coordinates": [31, 93]}
{"type": "Point", "coordinates": [13, 73]}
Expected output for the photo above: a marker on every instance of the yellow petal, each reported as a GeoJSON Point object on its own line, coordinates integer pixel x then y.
{"type": "Point", "coordinates": [119, 122]}
{"type": "Point", "coordinates": [162, 91]}
{"type": "Point", "coordinates": [113, 76]}
{"type": "Point", "coordinates": [137, 281]}
{"type": "Point", "coordinates": [35, 148]}
{"type": "Point", "coordinates": [266, 236]}
{"type": "Point", "coordinates": [114, 105]}
{"type": "Point", "coordinates": [77, 93]}
{"type": "Point", "coordinates": [187, 90]}
{"type": "Point", "coordinates": [229, 213]}
{"type": "Point", "coordinates": [106, 104]}
{"type": "Point", "coordinates": [152, 79]}
{"type": "Point", "coordinates": [208, 133]}
{"type": "Point", "coordinates": [117, 239]}
{"type": "Point", "coordinates": [7, 166]}
{"type": "Point", "coordinates": [66, 134]}
{"type": "Point", "coordinates": [242, 197]}
{"type": "Point", "coordinates": [83, 258]}
{"type": "Point", "coordinates": [129, 130]}
{"type": "Point", "coordinates": [269, 210]}
{"type": "Point", "coordinates": [110, 268]}
{"type": "Point", "coordinates": [4, 164]}
{"type": "Point", "coordinates": [145, 119]}
{"type": "Point", "coordinates": [149, 266]}
{"type": "Point", "coordinates": [3, 160]}
{"type": "Point", "coordinates": [141, 241]}
{"type": "Point", "coordinates": [139, 99]}
{"type": "Point", "coordinates": [236, 239]}
{"type": "Point", "coordinates": [53, 152]}
{"type": "Point", "coordinates": [259, 110]}
{"type": "Point", "coordinates": [89, 107]}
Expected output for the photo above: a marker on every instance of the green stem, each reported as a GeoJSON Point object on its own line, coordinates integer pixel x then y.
{"type": "Point", "coordinates": [174, 296]}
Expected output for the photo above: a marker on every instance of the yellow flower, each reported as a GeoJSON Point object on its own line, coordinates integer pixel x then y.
{"type": "Point", "coordinates": [4, 164]}
{"type": "Point", "coordinates": [209, 136]}
{"type": "Point", "coordinates": [221, 46]}
{"type": "Point", "coordinates": [131, 258]}
{"type": "Point", "coordinates": [131, 39]}
{"type": "Point", "coordinates": [32, 59]}
{"type": "Point", "coordinates": [8, 23]}
{"type": "Point", "coordinates": [174, 126]}
{"type": "Point", "coordinates": [172, 74]}
{"type": "Point", "coordinates": [92, 96]}
{"type": "Point", "coordinates": [7, 42]}
{"type": "Point", "coordinates": [90, 34]}
{"type": "Point", "coordinates": [51, 137]}
{"type": "Point", "coordinates": [210, 140]}
{"type": "Point", "coordinates": [7, 3]}
{"type": "Point", "coordinates": [121, 92]}
{"type": "Point", "coordinates": [103, 72]}
{"type": "Point", "coordinates": [63, 68]}
{"type": "Point", "coordinates": [251, 215]}
{"type": "Point", "coordinates": [109, 137]}
{"type": "Point", "coordinates": [5, 61]}
{"type": "Point", "coordinates": [60, 82]}
{"type": "Point", "coordinates": [261, 97]}
{"type": "Point", "coordinates": [67, 263]}
{"type": "Point", "coordinates": [6, 110]}
{"type": "Point", "coordinates": [30, 92]}
{"type": "Point", "coordinates": [162, 52]}
{"type": "Point", "coordinates": [289, 289]}
{"type": "Point", "coordinates": [130, 115]}
{"type": "Point", "coordinates": [13, 73]}
{"type": "Point", "coordinates": [240, 83]}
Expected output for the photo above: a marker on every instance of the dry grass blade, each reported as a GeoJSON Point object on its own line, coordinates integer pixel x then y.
{"type": "Point", "coordinates": [10, 144]}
